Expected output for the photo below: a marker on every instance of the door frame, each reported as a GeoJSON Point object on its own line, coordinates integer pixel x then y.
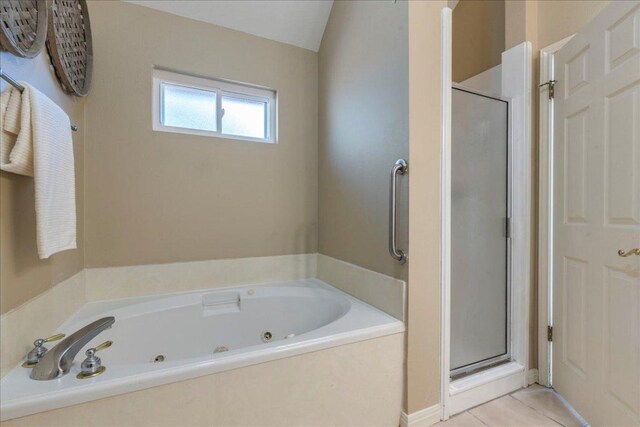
{"type": "Point", "coordinates": [545, 212]}
{"type": "Point", "coordinates": [446, 37]}
{"type": "Point", "coordinates": [456, 396]}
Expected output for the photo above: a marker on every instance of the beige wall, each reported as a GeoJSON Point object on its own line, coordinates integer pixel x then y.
{"type": "Point", "coordinates": [521, 23]}
{"type": "Point", "coordinates": [546, 22]}
{"type": "Point", "coordinates": [558, 19]}
{"type": "Point", "coordinates": [22, 274]}
{"type": "Point", "coordinates": [363, 130]}
{"type": "Point", "coordinates": [361, 137]}
{"type": "Point", "coordinates": [157, 197]}
{"type": "Point", "coordinates": [423, 343]}
{"type": "Point", "coordinates": [478, 37]}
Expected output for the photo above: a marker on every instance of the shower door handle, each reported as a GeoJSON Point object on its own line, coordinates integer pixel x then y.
{"type": "Point", "coordinates": [400, 168]}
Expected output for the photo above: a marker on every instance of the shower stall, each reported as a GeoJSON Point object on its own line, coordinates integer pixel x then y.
{"type": "Point", "coordinates": [480, 231]}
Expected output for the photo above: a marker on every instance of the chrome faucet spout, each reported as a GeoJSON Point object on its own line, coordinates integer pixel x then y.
{"type": "Point", "coordinates": [57, 361]}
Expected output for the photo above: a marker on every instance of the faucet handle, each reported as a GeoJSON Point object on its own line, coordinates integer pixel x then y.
{"type": "Point", "coordinates": [40, 341]}
{"type": "Point", "coordinates": [104, 345]}
{"type": "Point", "coordinates": [55, 337]}
{"type": "Point", "coordinates": [39, 350]}
{"type": "Point", "coordinates": [90, 352]}
{"type": "Point", "coordinates": [92, 365]}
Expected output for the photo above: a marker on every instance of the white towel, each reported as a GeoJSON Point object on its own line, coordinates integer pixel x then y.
{"type": "Point", "coordinates": [36, 141]}
{"type": "Point", "coordinates": [16, 149]}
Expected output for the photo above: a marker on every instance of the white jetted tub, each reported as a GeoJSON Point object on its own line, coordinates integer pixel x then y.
{"type": "Point", "coordinates": [163, 339]}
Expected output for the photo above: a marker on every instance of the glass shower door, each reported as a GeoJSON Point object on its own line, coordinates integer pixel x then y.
{"type": "Point", "coordinates": [479, 243]}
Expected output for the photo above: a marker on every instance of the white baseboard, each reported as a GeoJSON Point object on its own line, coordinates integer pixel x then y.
{"type": "Point", "coordinates": [423, 418]}
{"type": "Point", "coordinates": [532, 376]}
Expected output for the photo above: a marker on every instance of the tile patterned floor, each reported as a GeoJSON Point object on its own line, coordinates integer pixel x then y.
{"type": "Point", "coordinates": [535, 406]}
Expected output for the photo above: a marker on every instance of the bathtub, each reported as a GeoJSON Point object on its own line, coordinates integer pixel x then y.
{"type": "Point", "coordinates": [164, 339]}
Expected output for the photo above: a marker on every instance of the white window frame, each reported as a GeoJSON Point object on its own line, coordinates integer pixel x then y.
{"type": "Point", "coordinates": [221, 88]}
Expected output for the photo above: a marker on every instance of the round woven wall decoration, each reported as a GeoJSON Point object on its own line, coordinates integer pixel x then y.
{"type": "Point", "coordinates": [24, 26]}
{"type": "Point", "coordinates": [69, 45]}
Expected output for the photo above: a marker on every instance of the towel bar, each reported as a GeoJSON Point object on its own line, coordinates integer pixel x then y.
{"type": "Point", "coordinates": [18, 86]}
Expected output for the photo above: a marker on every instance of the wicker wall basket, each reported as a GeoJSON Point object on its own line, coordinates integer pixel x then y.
{"type": "Point", "coordinates": [69, 45]}
{"type": "Point", "coordinates": [23, 26]}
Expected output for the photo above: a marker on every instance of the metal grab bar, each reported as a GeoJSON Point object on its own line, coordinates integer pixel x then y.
{"type": "Point", "coordinates": [400, 168]}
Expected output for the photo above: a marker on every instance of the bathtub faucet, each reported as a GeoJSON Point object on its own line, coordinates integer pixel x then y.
{"type": "Point", "coordinates": [57, 361]}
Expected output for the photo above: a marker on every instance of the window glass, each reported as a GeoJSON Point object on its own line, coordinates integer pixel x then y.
{"type": "Point", "coordinates": [244, 117]}
{"type": "Point", "coordinates": [186, 107]}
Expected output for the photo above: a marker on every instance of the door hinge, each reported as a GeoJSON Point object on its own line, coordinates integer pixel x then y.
{"type": "Point", "coordinates": [552, 87]}
{"type": "Point", "coordinates": [549, 333]}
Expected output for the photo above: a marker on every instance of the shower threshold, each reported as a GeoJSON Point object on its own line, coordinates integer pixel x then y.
{"type": "Point", "coordinates": [484, 385]}
{"type": "Point", "coordinates": [475, 368]}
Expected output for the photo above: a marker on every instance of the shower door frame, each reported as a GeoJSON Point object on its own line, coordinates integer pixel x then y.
{"type": "Point", "coordinates": [493, 382]}
{"type": "Point", "coordinates": [470, 368]}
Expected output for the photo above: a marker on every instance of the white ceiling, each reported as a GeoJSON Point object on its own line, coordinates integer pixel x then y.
{"type": "Point", "coordinates": [299, 23]}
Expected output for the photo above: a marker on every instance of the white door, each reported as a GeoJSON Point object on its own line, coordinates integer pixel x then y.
{"type": "Point", "coordinates": [596, 297]}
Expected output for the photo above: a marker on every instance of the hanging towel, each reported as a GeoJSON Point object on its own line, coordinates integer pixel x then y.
{"type": "Point", "coordinates": [16, 149]}
{"type": "Point", "coordinates": [36, 141]}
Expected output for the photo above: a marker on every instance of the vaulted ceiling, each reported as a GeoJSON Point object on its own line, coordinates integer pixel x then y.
{"type": "Point", "coordinates": [299, 23]}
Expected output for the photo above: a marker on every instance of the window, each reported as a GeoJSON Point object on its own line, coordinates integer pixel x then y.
{"type": "Point", "coordinates": [211, 107]}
